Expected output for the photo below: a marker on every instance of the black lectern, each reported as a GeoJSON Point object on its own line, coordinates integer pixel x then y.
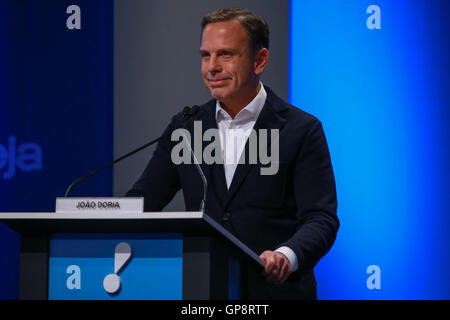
{"type": "Point", "coordinates": [212, 257]}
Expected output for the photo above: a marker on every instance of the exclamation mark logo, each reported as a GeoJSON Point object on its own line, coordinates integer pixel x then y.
{"type": "Point", "coordinates": [122, 254]}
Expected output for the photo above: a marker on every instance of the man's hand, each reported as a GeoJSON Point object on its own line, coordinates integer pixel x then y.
{"type": "Point", "coordinates": [277, 266]}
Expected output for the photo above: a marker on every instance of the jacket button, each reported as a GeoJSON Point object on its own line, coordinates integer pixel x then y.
{"type": "Point", "coordinates": [226, 216]}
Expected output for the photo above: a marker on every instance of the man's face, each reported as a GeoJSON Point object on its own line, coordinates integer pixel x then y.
{"type": "Point", "coordinates": [228, 67]}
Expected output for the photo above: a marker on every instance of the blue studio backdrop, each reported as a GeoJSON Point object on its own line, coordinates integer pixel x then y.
{"type": "Point", "coordinates": [56, 109]}
{"type": "Point", "coordinates": [376, 73]}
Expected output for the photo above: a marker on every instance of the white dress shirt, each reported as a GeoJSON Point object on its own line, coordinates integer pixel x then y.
{"type": "Point", "coordinates": [233, 137]}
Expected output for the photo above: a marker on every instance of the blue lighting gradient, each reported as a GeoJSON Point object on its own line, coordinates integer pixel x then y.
{"type": "Point", "coordinates": [382, 96]}
{"type": "Point", "coordinates": [56, 99]}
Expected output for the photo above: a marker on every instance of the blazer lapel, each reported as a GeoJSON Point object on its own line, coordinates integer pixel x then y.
{"type": "Point", "coordinates": [268, 119]}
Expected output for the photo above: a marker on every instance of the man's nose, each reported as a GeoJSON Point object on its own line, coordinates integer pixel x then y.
{"type": "Point", "coordinates": [214, 65]}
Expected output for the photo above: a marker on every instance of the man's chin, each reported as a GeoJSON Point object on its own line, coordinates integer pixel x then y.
{"type": "Point", "coordinates": [218, 93]}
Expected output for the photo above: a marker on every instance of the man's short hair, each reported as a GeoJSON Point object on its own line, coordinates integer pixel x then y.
{"type": "Point", "coordinates": [256, 27]}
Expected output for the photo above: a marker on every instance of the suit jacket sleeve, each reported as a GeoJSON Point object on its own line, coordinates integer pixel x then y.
{"type": "Point", "coordinates": [160, 181]}
{"type": "Point", "coordinates": [315, 195]}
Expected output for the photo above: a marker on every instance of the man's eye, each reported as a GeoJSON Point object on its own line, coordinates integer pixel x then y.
{"type": "Point", "coordinates": [204, 55]}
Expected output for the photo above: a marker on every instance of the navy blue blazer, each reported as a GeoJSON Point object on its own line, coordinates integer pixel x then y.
{"type": "Point", "coordinates": [296, 207]}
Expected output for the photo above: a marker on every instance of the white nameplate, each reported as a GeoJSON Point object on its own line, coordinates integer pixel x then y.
{"type": "Point", "coordinates": [113, 204]}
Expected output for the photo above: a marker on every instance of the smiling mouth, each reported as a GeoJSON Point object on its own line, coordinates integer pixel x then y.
{"type": "Point", "coordinates": [218, 82]}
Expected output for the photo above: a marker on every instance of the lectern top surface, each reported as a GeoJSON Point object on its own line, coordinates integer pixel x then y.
{"type": "Point", "coordinates": [102, 215]}
{"type": "Point", "coordinates": [186, 222]}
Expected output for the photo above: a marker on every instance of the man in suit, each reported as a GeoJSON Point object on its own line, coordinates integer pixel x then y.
{"type": "Point", "coordinates": [289, 217]}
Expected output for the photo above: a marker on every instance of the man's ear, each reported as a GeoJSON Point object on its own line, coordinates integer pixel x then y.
{"type": "Point", "coordinates": [262, 56]}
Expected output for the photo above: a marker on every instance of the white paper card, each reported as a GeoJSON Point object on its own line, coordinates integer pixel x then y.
{"type": "Point", "coordinates": [113, 204]}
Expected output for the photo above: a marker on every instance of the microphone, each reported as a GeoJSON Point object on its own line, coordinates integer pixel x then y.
{"type": "Point", "coordinates": [188, 112]}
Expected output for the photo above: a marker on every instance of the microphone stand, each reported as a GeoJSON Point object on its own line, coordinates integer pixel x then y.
{"type": "Point", "coordinates": [187, 114]}
{"type": "Point", "coordinates": [69, 189]}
